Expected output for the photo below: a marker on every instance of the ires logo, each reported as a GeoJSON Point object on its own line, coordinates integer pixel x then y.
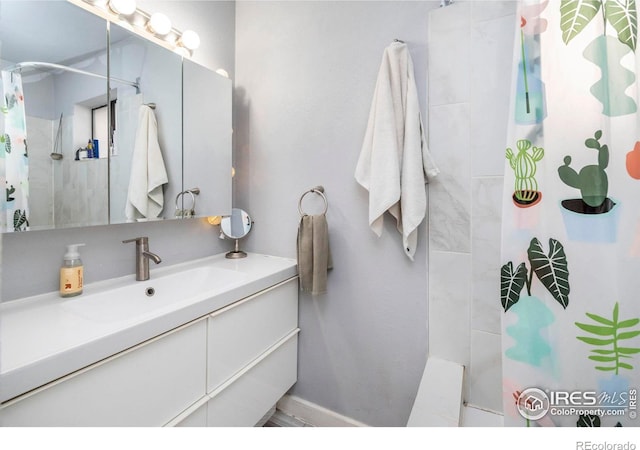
{"type": "Point", "coordinates": [534, 403]}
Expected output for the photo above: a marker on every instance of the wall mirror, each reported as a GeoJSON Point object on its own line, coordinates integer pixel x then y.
{"type": "Point", "coordinates": [157, 74]}
{"type": "Point", "coordinates": [207, 138]}
{"type": "Point", "coordinates": [52, 108]}
{"type": "Point", "coordinates": [74, 167]}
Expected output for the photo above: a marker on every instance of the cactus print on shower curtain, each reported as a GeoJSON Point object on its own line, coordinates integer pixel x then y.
{"type": "Point", "coordinates": [14, 156]}
{"type": "Point", "coordinates": [587, 53]}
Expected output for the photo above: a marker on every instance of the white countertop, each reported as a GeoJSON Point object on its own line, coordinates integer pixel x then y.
{"type": "Point", "coordinates": [45, 337]}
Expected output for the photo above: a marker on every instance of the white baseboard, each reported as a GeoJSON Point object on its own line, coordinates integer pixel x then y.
{"type": "Point", "coordinates": [314, 415]}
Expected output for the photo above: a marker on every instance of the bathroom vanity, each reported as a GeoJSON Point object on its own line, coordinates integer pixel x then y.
{"type": "Point", "coordinates": [211, 342]}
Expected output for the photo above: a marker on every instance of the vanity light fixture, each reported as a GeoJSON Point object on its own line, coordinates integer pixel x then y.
{"type": "Point", "coordinates": [159, 24]}
{"type": "Point", "coordinates": [124, 7]}
{"type": "Point", "coordinates": [189, 40]}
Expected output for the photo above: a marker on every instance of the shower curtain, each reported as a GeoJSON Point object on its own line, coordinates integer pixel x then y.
{"type": "Point", "coordinates": [570, 275]}
{"type": "Point", "coordinates": [14, 160]}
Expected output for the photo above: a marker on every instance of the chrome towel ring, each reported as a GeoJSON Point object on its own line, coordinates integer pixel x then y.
{"type": "Point", "coordinates": [187, 212]}
{"type": "Point", "coordinates": [316, 190]}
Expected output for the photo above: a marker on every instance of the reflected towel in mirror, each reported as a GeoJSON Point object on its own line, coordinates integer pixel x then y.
{"type": "Point", "coordinates": [145, 198]}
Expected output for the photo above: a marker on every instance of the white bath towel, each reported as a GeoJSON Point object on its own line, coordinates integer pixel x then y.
{"type": "Point", "coordinates": [145, 198]}
{"type": "Point", "coordinates": [394, 162]}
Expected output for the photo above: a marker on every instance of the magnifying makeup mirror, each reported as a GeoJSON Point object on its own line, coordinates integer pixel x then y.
{"type": "Point", "coordinates": [236, 226]}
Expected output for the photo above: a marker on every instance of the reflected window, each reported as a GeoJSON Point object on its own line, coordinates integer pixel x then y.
{"type": "Point", "coordinates": [100, 125]}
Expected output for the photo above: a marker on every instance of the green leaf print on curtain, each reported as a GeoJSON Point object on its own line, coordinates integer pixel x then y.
{"type": "Point", "coordinates": [605, 51]}
{"type": "Point", "coordinates": [575, 15]}
{"type": "Point", "coordinates": [563, 334]}
{"type": "Point", "coordinates": [621, 15]}
{"type": "Point", "coordinates": [552, 271]}
{"type": "Point", "coordinates": [608, 333]}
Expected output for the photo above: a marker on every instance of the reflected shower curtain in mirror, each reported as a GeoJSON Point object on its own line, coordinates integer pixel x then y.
{"type": "Point", "coordinates": [570, 275]}
{"type": "Point", "coordinates": [14, 160]}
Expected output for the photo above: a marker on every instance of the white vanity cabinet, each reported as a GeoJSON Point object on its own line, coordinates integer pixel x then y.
{"type": "Point", "coordinates": [226, 368]}
{"type": "Point", "coordinates": [244, 379]}
{"type": "Point", "coordinates": [252, 350]}
{"type": "Point", "coordinates": [143, 386]}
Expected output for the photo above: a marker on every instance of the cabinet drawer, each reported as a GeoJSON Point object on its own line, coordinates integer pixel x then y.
{"type": "Point", "coordinates": [243, 400]}
{"type": "Point", "coordinates": [197, 418]}
{"type": "Point", "coordinates": [144, 386]}
{"type": "Point", "coordinates": [242, 331]}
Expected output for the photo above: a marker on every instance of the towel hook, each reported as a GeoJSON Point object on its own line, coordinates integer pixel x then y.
{"type": "Point", "coordinates": [316, 190]}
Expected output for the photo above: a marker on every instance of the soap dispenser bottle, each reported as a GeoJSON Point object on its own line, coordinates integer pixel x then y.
{"type": "Point", "coordinates": [71, 272]}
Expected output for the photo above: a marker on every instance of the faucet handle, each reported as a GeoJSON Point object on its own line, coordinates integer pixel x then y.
{"type": "Point", "coordinates": [138, 240]}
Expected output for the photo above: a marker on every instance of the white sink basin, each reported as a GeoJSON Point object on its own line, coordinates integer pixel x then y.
{"type": "Point", "coordinates": [45, 337]}
{"type": "Point", "coordinates": [154, 296]}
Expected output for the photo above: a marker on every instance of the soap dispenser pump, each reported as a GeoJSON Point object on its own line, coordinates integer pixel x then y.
{"type": "Point", "coordinates": [71, 272]}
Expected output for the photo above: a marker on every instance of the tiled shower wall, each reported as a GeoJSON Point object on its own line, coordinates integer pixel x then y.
{"type": "Point", "coordinates": [41, 135]}
{"type": "Point", "coordinates": [470, 54]}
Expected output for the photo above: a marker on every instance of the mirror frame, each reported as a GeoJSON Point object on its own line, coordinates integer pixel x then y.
{"type": "Point", "coordinates": [226, 227]}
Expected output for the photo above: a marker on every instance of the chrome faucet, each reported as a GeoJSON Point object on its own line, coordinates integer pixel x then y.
{"type": "Point", "coordinates": [143, 255]}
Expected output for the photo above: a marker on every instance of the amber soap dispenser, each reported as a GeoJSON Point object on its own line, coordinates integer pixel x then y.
{"type": "Point", "coordinates": [71, 272]}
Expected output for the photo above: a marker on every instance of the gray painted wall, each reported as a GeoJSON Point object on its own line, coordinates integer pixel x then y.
{"type": "Point", "coordinates": [305, 76]}
{"type": "Point", "coordinates": [30, 261]}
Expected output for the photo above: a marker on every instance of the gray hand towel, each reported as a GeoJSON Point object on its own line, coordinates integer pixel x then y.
{"type": "Point", "coordinates": [314, 255]}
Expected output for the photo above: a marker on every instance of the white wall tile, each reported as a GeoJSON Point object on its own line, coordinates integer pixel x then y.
{"type": "Point", "coordinates": [470, 67]}
{"type": "Point", "coordinates": [449, 54]}
{"type": "Point", "coordinates": [450, 191]}
{"type": "Point", "coordinates": [456, 16]}
{"type": "Point", "coordinates": [491, 9]}
{"type": "Point", "coordinates": [485, 371]}
{"type": "Point", "coordinates": [40, 138]}
{"type": "Point", "coordinates": [491, 59]}
{"type": "Point", "coordinates": [449, 305]}
{"type": "Point", "coordinates": [485, 250]}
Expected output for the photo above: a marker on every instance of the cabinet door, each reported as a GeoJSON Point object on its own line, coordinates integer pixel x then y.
{"type": "Point", "coordinates": [244, 330]}
{"type": "Point", "coordinates": [244, 399]}
{"type": "Point", "coordinates": [145, 386]}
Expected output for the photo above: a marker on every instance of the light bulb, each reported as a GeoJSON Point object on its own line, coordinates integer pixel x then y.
{"type": "Point", "coordinates": [189, 40]}
{"type": "Point", "coordinates": [99, 3]}
{"type": "Point", "coordinates": [214, 220]}
{"type": "Point", "coordinates": [159, 24]}
{"type": "Point", "coordinates": [124, 7]}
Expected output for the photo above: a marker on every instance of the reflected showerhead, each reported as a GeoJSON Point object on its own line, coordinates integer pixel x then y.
{"type": "Point", "coordinates": [56, 155]}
